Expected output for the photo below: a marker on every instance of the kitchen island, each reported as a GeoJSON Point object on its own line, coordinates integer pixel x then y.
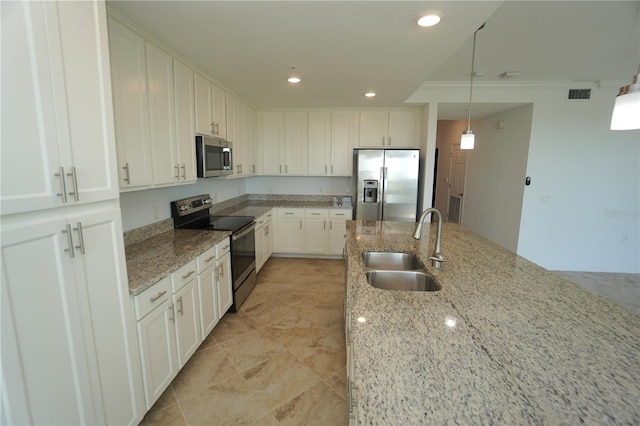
{"type": "Point", "coordinates": [504, 342]}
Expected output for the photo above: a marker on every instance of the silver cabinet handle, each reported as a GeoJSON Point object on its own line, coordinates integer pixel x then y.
{"type": "Point", "coordinates": [63, 185]}
{"type": "Point", "coordinates": [221, 267]}
{"type": "Point", "coordinates": [209, 259]}
{"type": "Point", "coordinates": [158, 296]}
{"type": "Point", "coordinates": [226, 247]}
{"type": "Point", "coordinates": [127, 177]}
{"type": "Point", "coordinates": [184, 171]}
{"type": "Point", "coordinates": [325, 224]}
{"type": "Point", "coordinates": [184, 277]}
{"type": "Point", "coordinates": [300, 224]}
{"type": "Point", "coordinates": [288, 212]}
{"type": "Point", "coordinates": [389, 138]}
{"type": "Point", "coordinates": [325, 169]}
{"type": "Point", "coordinates": [74, 180]}
{"type": "Point", "coordinates": [180, 310]}
{"type": "Point", "coordinates": [332, 169]}
{"type": "Point", "coordinates": [383, 141]}
{"type": "Point", "coordinates": [67, 231]}
{"type": "Point", "coordinates": [177, 167]}
{"type": "Point", "coordinates": [266, 230]}
{"type": "Point", "coordinates": [253, 168]}
{"type": "Point", "coordinates": [80, 238]}
{"type": "Point", "coordinates": [331, 225]}
{"type": "Point", "coordinates": [286, 169]}
{"type": "Point", "coordinates": [173, 314]}
{"type": "Point", "coordinates": [280, 168]}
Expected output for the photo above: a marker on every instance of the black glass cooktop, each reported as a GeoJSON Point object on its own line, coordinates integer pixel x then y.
{"type": "Point", "coordinates": [218, 223]}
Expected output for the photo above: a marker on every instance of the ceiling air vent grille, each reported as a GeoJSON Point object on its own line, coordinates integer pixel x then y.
{"type": "Point", "coordinates": [579, 93]}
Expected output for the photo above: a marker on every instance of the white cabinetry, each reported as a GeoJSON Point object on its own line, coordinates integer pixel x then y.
{"type": "Point", "coordinates": [208, 291]}
{"type": "Point", "coordinates": [161, 115]}
{"type": "Point", "coordinates": [316, 237]}
{"type": "Point", "coordinates": [332, 136]}
{"type": "Point", "coordinates": [210, 109]}
{"type": "Point", "coordinates": [67, 325]}
{"type": "Point", "coordinates": [130, 106]}
{"type": "Point", "coordinates": [57, 120]}
{"type": "Point", "coordinates": [290, 231]}
{"type": "Point", "coordinates": [187, 311]}
{"type": "Point", "coordinates": [395, 129]}
{"type": "Point", "coordinates": [157, 339]}
{"type": "Point", "coordinates": [225, 283]}
{"type": "Point", "coordinates": [338, 230]}
{"type": "Point", "coordinates": [218, 96]}
{"type": "Point", "coordinates": [264, 239]}
{"type": "Point", "coordinates": [284, 143]}
{"type": "Point", "coordinates": [185, 113]}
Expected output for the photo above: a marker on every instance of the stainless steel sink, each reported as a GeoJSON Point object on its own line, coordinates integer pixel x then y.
{"type": "Point", "coordinates": [403, 280]}
{"type": "Point", "coordinates": [395, 261]}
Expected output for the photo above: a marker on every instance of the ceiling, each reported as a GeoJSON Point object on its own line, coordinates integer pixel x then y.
{"type": "Point", "coordinates": [341, 49]}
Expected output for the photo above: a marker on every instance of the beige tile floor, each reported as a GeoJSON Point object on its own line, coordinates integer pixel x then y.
{"type": "Point", "coordinates": [279, 360]}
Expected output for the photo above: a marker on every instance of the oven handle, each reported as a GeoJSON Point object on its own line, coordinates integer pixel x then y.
{"type": "Point", "coordinates": [250, 228]}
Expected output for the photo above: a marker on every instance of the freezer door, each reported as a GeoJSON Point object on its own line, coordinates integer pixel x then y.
{"type": "Point", "coordinates": [400, 198]}
{"type": "Point", "coordinates": [368, 165]}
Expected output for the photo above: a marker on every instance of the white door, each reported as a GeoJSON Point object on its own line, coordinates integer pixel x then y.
{"type": "Point", "coordinates": [318, 148]}
{"type": "Point", "coordinates": [203, 106]}
{"type": "Point", "coordinates": [208, 294]}
{"type": "Point", "coordinates": [456, 184]}
{"type": "Point", "coordinates": [344, 136]}
{"type": "Point", "coordinates": [45, 369]}
{"type": "Point", "coordinates": [316, 236]}
{"type": "Point", "coordinates": [374, 126]}
{"type": "Point", "coordinates": [185, 116]}
{"type": "Point", "coordinates": [225, 285]}
{"type": "Point", "coordinates": [187, 321]}
{"type": "Point", "coordinates": [404, 130]}
{"type": "Point", "coordinates": [272, 126]}
{"type": "Point", "coordinates": [219, 111]}
{"type": "Point", "coordinates": [295, 143]}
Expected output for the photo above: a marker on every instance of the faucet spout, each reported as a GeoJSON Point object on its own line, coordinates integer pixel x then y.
{"type": "Point", "coordinates": [436, 258]}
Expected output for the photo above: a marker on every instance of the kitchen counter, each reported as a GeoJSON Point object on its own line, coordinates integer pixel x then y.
{"type": "Point", "coordinates": [527, 346]}
{"type": "Point", "coordinates": [154, 258]}
{"type": "Point", "coordinates": [257, 208]}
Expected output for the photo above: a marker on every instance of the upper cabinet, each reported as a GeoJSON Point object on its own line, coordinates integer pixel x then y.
{"type": "Point", "coordinates": [210, 108]}
{"type": "Point", "coordinates": [284, 143]}
{"type": "Point", "coordinates": [57, 137]}
{"type": "Point", "coordinates": [390, 129]}
{"type": "Point", "coordinates": [183, 80]}
{"type": "Point", "coordinates": [332, 136]}
{"type": "Point", "coordinates": [130, 106]}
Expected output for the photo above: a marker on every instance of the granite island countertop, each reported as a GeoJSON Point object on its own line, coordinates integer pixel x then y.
{"type": "Point", "coordinates": [527, 347]}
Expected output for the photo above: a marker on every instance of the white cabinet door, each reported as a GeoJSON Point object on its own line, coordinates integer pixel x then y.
{"type": "Point", "coordinates": [130, 106]}
{"type": "Point", "coordinates": [225, 284]}
{"type": "Point", "coordinates": [404, 129]}
{"type": "Point", "coordinates": [374, 128]}
{"type": "Point", "coordinates": [344, 136]}
{"type": "Point", "coordinates": [239, 148]}
{"type": "Point", "coordinates": [250, 142]}
{"type": "Point", "coordinates": [260, 245]}
{"type": "Point", "coordinates": [231, 109]}
{"type": "Point", "coordinates": [207, 288]}
{"type": "Point", "coordinates": [161, 115]}
{"type": "Point", "coordinates": [319, 143]}
{"type": "Point", "coordinates": [183, 78]}
{"type": "Point", "coordinates": [106, 305]}
{"type": "Point", "coordinates": [157, 337]}
{"type": "Point", "coordinates": [316, 237]}
{"type": "Point", "coordinates": [57, 115]}
{"type": "Point", "coordinates": [187, 307]}
{"type": "Point", "coordinates": [45, 369]}
{"type": "Point", "coordinates": [290, 231]}
{"type": "Point", "coordinates": [268, 240]}
{"type": "Point", "coordinates": [295, 143]}
{"type": "Point", "coordinates": [203, 105]}
{"type": "Point", "coordinates": [272, 134]}
{"type": "Point", "coordinates": [219, 112]}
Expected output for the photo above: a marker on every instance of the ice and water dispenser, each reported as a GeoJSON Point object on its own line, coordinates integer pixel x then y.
{"type": "Point", "coordinates": [370, 191]}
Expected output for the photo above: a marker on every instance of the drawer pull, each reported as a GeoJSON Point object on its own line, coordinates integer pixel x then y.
{"type": "Point", "coordinates": [226, 247]}
{"type": "Point", "coordinates": [184, 277]}
{"type": "Point", "coordinates": [209, 259]}
{"type": "Point", "coordinates": [288, 213]}
{"type": "Point", "coordinates": [162, 293]}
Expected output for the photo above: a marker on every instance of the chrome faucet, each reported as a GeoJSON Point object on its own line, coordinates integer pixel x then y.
{"type": "Point", "coordinates": [436, 258]}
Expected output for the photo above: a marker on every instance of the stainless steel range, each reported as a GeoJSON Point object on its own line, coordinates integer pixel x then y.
{"type": "Point", "coordinates": [193, 213]}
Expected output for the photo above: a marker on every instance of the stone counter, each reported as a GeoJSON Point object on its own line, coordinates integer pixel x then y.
{"type": "Point", "coordinates": [154, 258]}
{"type": "Point", "coordinates": [505, 341]}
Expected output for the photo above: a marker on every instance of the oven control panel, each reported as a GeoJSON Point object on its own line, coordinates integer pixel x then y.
{"type": "Point", "coordinates": [187, 206]}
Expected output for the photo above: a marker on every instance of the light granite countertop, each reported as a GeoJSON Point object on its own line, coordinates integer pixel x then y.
{"type": "Point", "coordinates": [257, 208]}
{"type": "Point", "coordinates": [150, 260]}
{"type": "Point", "coordinates": [527, 347]}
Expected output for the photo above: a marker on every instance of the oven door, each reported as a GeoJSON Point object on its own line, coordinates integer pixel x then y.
{"type": "Point", "coordinates": [243, 254]}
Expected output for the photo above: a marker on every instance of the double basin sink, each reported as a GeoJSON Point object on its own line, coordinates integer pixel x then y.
{"type": "Point", "coordinates": [397, 271]}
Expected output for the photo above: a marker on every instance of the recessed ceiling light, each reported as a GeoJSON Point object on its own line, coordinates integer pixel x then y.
{"type": "Point", "coordinates": [429, 20]}
{"type": "Point", "coordinates": [294, 80]}
{"type": "Point", "coordinates": [369, 94]}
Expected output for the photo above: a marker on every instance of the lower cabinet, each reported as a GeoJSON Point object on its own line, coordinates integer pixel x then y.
{"type": "Point", "coordinates": [69, 353]}
{"type": "Point", "coordinates": [177, 313]}
{"type": "Point", "coordinates": [311, 231]}
{"type": "Point", "coordinates": [264, 239]}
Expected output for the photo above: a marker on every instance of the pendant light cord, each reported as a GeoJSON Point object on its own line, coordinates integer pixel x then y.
{"type": "Point", "coordinates": [473, 60]}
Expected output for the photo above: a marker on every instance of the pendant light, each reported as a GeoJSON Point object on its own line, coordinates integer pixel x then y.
{"type": "Point", "coordinates": [467, 141]}
{"type": "Point", "coordinates": [626, 111]}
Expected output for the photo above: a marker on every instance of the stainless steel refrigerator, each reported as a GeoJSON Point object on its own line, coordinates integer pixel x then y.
{"type": "Point", "coordinates": [386, 184]}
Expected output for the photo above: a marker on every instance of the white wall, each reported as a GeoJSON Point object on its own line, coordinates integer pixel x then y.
{"type": "Point", "coordinates": [304, 185]}
{"type": "Point", "coordinates": [581, 211]}
{"type": "Point", "coordinates": [495, 177]}
{"type": "Point", "coordinates": [141, 208]}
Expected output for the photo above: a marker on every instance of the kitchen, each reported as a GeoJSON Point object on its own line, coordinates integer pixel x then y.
{"type": "Point", "coordinates": [141, 208]}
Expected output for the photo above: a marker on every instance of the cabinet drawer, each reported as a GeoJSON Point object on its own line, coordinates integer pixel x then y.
{"type": "Point", "coordinates": [289, 213]}
{"type": "Point", "coordinates": [262, 220]}
{"type": "Point", "coordinates": [222, 248]}
{"type": "Point", "coordinates": [317, 213]}
{"type": "Point", "coordinates": [206, 259]}
{"type": "Point", "coordinates": [152, 297]}
{"type": "Point", "coordinates": [183, 275]}
{"type": "Point", "coordinates": [340, 214]}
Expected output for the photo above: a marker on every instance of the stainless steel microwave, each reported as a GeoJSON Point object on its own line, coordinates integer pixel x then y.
{"type": "Point", "coordinates": [213, 157]}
